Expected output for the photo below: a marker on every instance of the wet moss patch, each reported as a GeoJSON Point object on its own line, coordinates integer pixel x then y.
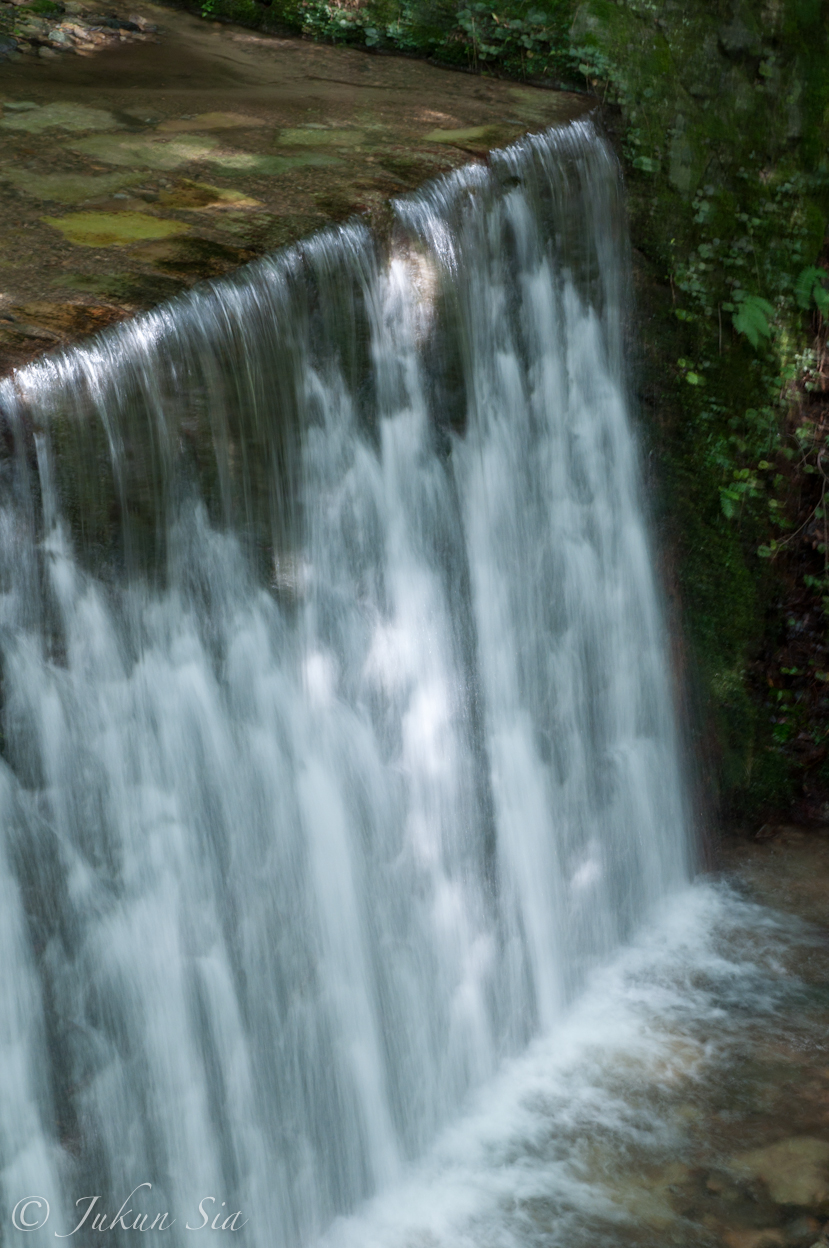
{"type": "Point", "coordinates": [146, 151]}
{"type": "Point", "coordinates": [66, 188]}
{"type": "Point", "coordinates": [78, 117]}
{"type": "Point", "coordinates": [200, 197]}
{"type": "Point", "coordinates": [114, 229]}
{"type": "Point", "coordinates": [320, 137]}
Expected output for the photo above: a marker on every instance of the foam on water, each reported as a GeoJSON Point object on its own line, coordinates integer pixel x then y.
{"type": "Point", "coordinates": [567, 1145]}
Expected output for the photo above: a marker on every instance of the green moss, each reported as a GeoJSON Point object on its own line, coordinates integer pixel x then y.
{"type": "Point", "coordinates": [304, 136]}
{"type": "Point", "coordinates": [59, 117]}
{"type": "Point", "coordinates": [66, 188]}
{"type": "Point", "coordinates": [43, 8]}
{"type": "Point", "coordinates": [114, 229]}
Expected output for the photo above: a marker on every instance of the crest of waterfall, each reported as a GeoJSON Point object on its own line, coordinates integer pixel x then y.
{"type": "Point", "coordinates": [337, 730]}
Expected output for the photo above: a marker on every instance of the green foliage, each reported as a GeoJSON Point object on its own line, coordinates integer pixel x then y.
{"type": "Point", "coordinates": [245, 12]}
{"type": "Point", "coordinates": [516, 37]}
{"type": "Point", "coordinates": [727, 188]}
{"type": "Point", "coordinates": [809, 289]}
{"type": "Point", "coordinates": [752, 317]}
{"type": "Point", "coordinates": [530, 42]}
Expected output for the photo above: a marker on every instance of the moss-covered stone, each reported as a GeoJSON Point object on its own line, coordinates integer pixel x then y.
{"type": "Point", "coordinates": [320, 136]}
{"type": "Point", "coordinates": [73, 117]}
{"type": "Point", "coordinates": [146, 151]}
{"type": "Point", "coordinates": [114, 229]}
{"type": "Point", "coordinates": [67, 188]}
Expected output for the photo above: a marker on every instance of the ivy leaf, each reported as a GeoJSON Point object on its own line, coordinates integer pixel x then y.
{"type": "Point", "coordinates": [752, 318]}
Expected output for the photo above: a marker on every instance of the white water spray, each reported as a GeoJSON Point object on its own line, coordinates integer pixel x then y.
{"type": "Point", "coordinates": [337, 729]}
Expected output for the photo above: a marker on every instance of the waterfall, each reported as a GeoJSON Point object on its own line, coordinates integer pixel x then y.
{"type": "Point", "coordinates": [337, 739]}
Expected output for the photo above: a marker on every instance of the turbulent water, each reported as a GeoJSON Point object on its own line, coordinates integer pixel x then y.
{"type": "Point", "coordinates": [338, 747]}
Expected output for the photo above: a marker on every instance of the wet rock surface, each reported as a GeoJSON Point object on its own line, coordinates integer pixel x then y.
{"type": "Point", "coordinates": [758, 1127]}
{"type": "Point", "coordinates": [731, 1147]}
{"type": "Point", "coordinates": [784, 866]}
{"type": "Point", "coordinates": [143, 151]}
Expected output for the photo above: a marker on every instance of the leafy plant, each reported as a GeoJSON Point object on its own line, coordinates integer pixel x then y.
{"type": "Point", "coordinates": [752, 318]}
{"type": "Point", "coordinates": [809, 289]}
{"type": "Point", "coordinates": [526, 43]}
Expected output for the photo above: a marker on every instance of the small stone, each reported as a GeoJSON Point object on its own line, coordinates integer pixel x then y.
{"type": "Point", "coordinates": [768, 1237]}
{"type": "Point", "coordinates": [796, 1171]}
{"type": "Point", "coordinates": [803, 1229]}
{"type": "Point", "coordinates": [143, 23]}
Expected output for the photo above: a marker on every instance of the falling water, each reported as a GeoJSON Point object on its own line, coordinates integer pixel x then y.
{"type": "Point", "coordinates": [337, 737]}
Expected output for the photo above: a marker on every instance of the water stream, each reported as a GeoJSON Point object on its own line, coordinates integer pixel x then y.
{"type": "Point", "coordinates": [339, 768]}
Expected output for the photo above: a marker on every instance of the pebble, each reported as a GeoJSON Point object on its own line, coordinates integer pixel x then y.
{"type": "Point", "coordinates": [149, 28]}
